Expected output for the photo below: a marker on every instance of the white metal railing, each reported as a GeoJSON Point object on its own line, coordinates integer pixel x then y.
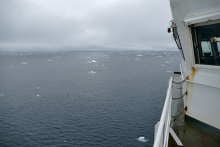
{"type": "Point", "coordinates": [162, 128]}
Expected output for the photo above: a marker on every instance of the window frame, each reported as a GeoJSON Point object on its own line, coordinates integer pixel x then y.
{"type": "Point", "coordinates": [198, 64]}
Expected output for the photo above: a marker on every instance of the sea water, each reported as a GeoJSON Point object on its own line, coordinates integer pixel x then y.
{"type": "Point", "coordinates": [82, 99]}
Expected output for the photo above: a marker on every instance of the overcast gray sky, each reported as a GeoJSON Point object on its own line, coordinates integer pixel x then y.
{"type": "Point", "coordinates": [27, 25]}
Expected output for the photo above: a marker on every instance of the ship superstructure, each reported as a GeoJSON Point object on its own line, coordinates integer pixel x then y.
{"type": "Point", "coordinates": [191, 113]}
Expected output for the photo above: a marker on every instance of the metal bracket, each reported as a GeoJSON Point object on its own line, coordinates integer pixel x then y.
{"type": "Point", "coordinates": [175, 137]}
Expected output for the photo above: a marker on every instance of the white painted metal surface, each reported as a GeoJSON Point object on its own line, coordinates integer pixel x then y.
{"type": "Point", "coordinates": [175, 137]}
{"type": "Point", "coordinates": [203, 96]}
{"type": "Point", "coordinates": [162, 130]}
{"type": "Point", "coordinates": [202, 18]}
{"type": "Point", "coordinates": [203, 86]}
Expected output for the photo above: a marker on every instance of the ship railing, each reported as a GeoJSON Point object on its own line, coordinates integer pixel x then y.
{"type": "Point", "coordinates": [162, 128]}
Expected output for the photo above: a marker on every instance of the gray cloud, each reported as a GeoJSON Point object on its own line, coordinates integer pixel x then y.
{"type": "Point", "coordinates": [85, 25]}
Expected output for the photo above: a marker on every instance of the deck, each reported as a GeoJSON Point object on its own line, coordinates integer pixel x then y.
{"type": "Point", "coordinates": [191, 135]}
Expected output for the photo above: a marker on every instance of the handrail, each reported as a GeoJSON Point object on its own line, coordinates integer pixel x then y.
{"type": "Point", "coordinates": [162, 135]}
{"type": "Point", "coordinates": [181, 70]}
{"type": "Point", "coordinates": [203, 84]}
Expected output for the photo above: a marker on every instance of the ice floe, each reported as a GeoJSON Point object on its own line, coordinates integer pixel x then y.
{"type": "Point", "coordinates": [49, 60]}
{"type": "Point", "coordinates": [139, 55]}
{"type": "Point", "coordinates": [92, 72]}
{"type": "Point", "coordinates": [1, 94]}
{"type": "Point", "coordinates": [169, 62]}
{"type": "Point", "coordinates": [93, 61]}
{"type": "Point", "coordinates": [142, 139]}
{"type": "Point", "coordinates": [38, 95]}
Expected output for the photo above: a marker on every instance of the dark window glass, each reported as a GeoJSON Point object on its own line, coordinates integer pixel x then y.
{"type": "Point", "coordinates": [206, 43]}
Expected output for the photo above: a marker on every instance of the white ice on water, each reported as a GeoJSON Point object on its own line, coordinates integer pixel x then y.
{"type": "Point", "coordinates": [142, 139]}
{"type": "Point", "coordinates": [93, 61]}
{"type": "Point", "coordinates": [92, 72]}
{"type": "Point", "coordinates": [169, 62]}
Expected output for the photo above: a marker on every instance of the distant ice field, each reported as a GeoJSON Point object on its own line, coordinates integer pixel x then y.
{"type": "Point", "coordinates": [82, 99]}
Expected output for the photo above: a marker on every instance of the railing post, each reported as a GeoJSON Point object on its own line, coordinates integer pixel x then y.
{"type": "Point", "coordinates": [164, 118]}
{"type": "Point", "coordinates": [155, 130]}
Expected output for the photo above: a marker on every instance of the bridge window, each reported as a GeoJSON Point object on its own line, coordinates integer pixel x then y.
{"type": "Point", "coordinates": [206, 43]}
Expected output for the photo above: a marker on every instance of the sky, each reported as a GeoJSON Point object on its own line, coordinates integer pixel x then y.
{"type": "Point", "coordinates": [85, 25]}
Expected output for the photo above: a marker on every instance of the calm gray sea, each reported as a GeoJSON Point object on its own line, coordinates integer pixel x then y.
{"type": "Point", "coordinates": [82, 99]}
